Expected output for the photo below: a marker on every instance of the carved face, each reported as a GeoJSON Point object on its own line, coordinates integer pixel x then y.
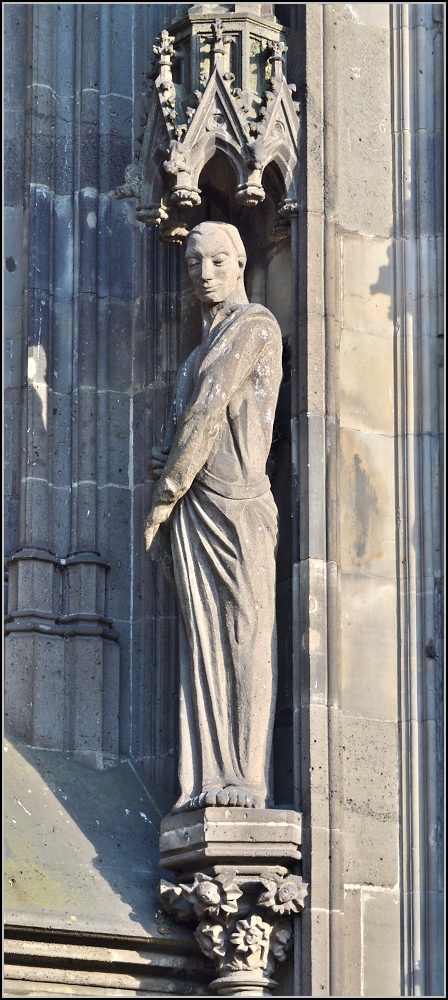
{"type": "Point", "coordinates": [213, 265]}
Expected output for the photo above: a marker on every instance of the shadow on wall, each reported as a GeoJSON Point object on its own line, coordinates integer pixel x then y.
{"type": "Point", "coordinates": [81, 850]}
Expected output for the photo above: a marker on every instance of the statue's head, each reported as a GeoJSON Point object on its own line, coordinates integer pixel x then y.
{"type": "Point", "coordinates": [216, 259]}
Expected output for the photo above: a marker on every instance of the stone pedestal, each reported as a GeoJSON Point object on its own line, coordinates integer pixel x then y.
{"type": "Point", "coordinates": [220, 838]}
{"type": "Point", "coordinates": [238, 886]}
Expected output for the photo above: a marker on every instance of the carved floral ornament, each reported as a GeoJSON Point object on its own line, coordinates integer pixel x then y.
{"type": "Point", "coordinates": [182, 134]}
{"type": "Point", "coordinates": [243, 922]}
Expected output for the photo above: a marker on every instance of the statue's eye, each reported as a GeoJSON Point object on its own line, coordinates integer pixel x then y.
{"type": "Point", "coordinates": [220, 260]}
{"type": "Point", "coordinates": [193, 262]}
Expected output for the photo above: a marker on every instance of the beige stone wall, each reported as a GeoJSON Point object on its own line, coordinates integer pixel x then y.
{"type": "Point", "coordinates": [363, 217]}
{"type": "Point", "coordinates": [354, 791]}
{"type": "Point", "coordinates": [369, 460]}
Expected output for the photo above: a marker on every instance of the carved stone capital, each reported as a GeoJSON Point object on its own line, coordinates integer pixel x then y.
{"type": "Point", "coordinates": [243, 901]}
{"type": "Point", "coordinates": [243, 923]}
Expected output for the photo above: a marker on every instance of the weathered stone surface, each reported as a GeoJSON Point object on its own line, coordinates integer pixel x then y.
{"type": "Point", "coordinates": [370, 751]}
{"type": "Point", "coordinates": [368, 647]}
{"type": "Point", "coordinates": [88, 861]}
{"type": "Point", "coordinates": [352, 942]}
{"type": "Point", "coordinates": [367, 504]}
{"type": "Point", "coordinates": [362, 113]}
{"type": "Point", "coordinates": [367, 389]}
{"type": "Point", "coordinates": [381, 943]}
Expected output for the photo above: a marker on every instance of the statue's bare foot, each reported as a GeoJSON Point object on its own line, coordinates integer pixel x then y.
{"type": "Point", "coordinates": [235, 795]}
{"type": "Point", "coordinates": [231, 795]}
{"type": "Point", "coordinates": [207, 798]}
{"type": "Point", "coordinates": [180, 806]}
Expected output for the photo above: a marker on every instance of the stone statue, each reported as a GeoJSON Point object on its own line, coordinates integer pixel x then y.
{"type": "Point", "coordinates": [213, 507]}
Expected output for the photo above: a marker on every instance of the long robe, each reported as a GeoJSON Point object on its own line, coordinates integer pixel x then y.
{"type": "Point", "coordinates": [223, 539]}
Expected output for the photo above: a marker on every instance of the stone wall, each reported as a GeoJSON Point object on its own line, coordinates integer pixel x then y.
{"type": "Point", "coordinates": [91, 353]}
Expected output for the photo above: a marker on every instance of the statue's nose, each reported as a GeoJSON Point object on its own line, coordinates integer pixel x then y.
{"type": "Point", "coordinates": [206, 269]}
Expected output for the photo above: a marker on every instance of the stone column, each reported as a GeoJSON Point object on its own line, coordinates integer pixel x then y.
{"type": "Point", "coordinates": [417, 38]}
{"type": "Point", "coordinates": [60, 694]}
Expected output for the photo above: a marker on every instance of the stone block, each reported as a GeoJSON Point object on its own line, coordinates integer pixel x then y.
{"type": "Point", "coordinates": [61, 413]}
{"type": "Point", "coordinates": [121, 29]}
{"type": "Point", "coordinates": [65, 32]}
{"type": "Point", "coordinates": [311, 475]}
{"type": "Point", "coordinates": [367, 504]}
{"type": "Point", "coordinates": [84, 587]}
{"type": "Point", "coordinates": [115, 139]}
{"type": "Point", "coordinates": [87, 208]}
{"type": "Point", "coordinates": [114, 518]}
{"type": "Point", "coordinates": [313, 642]}
{"type": "Point", "coordinates": [111, 697]}
{"type": "Point", "coordinates": [61, 508]}
{"type": "Point", "coordinates": [139, 343]}
{"type": "Point", "coordinates": [119, 439]}
{"type": "Point", "coordinates": [35, 585]}
{"type": "Point", "coordinates": [85, 664]}
{"type": "Point", "coordinates": [12, 329]}
{"type": "Point", "coordinates": [368, 646]}
{"type": "Point", "coordinates": [315, 297]}
{"type": "Point", "coordinates": [220, 836]}
{"type": "Point", "coordinates": [371, 15]}
{"type": "Point", "coordinates": [121, 248]}
{"type": "Point", "coordinates": [316, 756]}
{"type": "Point", "coordinates": [40, 249]}
{"type": "Point", "coordinates": [19, 683]}
{"type": "Point", "coordinates": [368, 285]}
{"type": "Point", "coordinates": [436, 904]}
{"type": "Point", "coordinates": [320, 866]}
{"type": "Point", "coordinates": [371, 801]}
{"type": "Point", "coordinates": [13, 257]}
{"type": "Point", "coordinates": [367, 388]}
{"type": "Point", "coordinates": [315, 952]}
{"type": "Point", "coordinates": [11, 524]}
{"type": "Point", "coordinates": [8, 452]}
{"type": "Point", "coordinates": [62, 346]}
{"type": "Point", "coordinates": [120, 345]}
{"type": "Point", "coordinates": [352, 942]}
{"type": "Point", "coordinates": [141, 449]}
{"type": "Point", "coordinates": [161, 712]}
{"type": "Point", "coordinates": [363, 129]}
{"type": "Point", "coordinates": [63, 247]}
{"type": "Point", "coordinates": [63, 149]}
{"type": "Point", "coordinates": [49, 695]}
{"type": "Point", "coordinates": [15, 16]}
{"type": "Point", "coordinates": [381, 943]}
{"type": "Point", "coordinates": [84, 529]}
{"type": "Point", "coordinates": [128, 725]}
{"type": "Point", "coordinates": [13, 157]}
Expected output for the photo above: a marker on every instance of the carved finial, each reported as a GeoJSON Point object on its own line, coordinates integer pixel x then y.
{"type": "Point", "coordinates": [165, 47]}
{"type": "Point", "coordinates": [279, 50]}
{"type": "Point", "coordinates": [218, 31]}
{"type": "Point", "coordinates": [217, 41]}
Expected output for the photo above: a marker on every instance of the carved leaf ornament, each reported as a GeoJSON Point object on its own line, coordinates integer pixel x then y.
{"type": "Point", "coordinates": [181, 136]}
{"type": "Point", "coordinates": [239, 926]}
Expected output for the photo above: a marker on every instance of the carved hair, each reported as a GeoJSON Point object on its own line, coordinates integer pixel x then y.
{"type": "Point", "coordinates": [231, 232]}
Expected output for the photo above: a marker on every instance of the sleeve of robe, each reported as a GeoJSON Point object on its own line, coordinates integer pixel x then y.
{"type": "Point", "coordinates": [228, 363]}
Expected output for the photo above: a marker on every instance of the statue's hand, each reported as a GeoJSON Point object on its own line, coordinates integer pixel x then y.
{"type": "Point", "coordinates": [159, 514]}
{"type": "Point", "coordinates": [157, 462]}
{"type": "Point", "coordinates": [150, 531]}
